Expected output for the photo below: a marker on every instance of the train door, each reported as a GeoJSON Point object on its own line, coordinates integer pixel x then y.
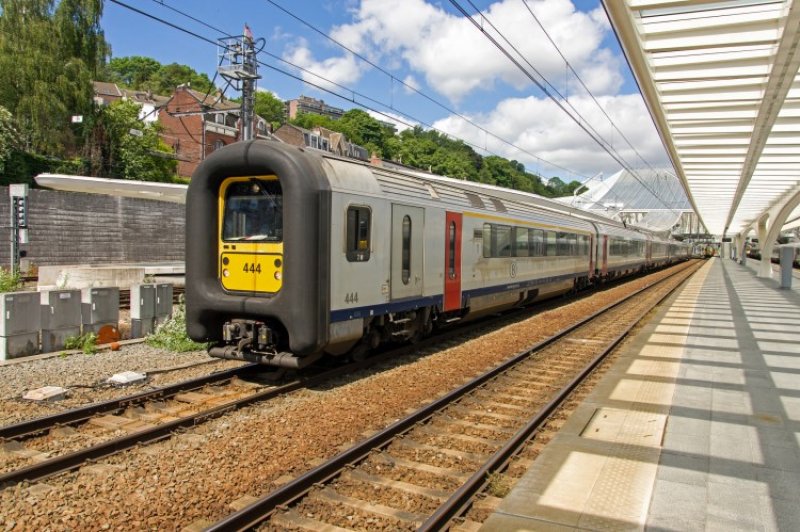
{"type": "Point", "coordinates": [407, 246]}
{"type": "Point", "coordinates": [592, 251]}
{"type": "Point", "coordinates": [452, 262]}
{"type": "Point", "coordinates": [604, 265]}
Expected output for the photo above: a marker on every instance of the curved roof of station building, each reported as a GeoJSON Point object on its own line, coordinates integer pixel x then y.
{"type": "Point", "coordinates": [720, 78]}
{"type": "Point", "coordinates": [623, 192]}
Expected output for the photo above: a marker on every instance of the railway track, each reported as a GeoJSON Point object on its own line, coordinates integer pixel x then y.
{"type": "Point", "coordinates": [426, 470]}
{"type": "Point", "coordinates": [104, 429]}
{"type": "Point", "coordinates": [110, 427]}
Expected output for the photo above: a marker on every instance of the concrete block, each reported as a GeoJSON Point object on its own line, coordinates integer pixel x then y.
{"type": "Point", "coordinates": [46, 393]}
{"type": "Point", "coordinates": [100, 305]}
{"type": "Point", "coordinates": [54, 339]}
{"type": "Point", "coordinates": [61, 309]}
{"type": "Point", "coordinates": [19, 345]}
{"type": "Point", "coordinates": [143, 301]}
{"type": "Point", "coordinates": [19, 313]}
{"type": "Point", "coordinates": [141, 328]}
{"type": "Point", "coordinates": [80, 277]}
{"type": "Point", "coordinates": [126, 377]}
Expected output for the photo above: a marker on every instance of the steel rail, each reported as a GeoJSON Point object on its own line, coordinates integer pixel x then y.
{"type": "Point", "coordinates": [25, 429]}
{"type": "Point", "coordinates": [67, 462]}
{"type": "Point", "coordinates": [250, 516]}
{"type": "Point", "coordinates": [458, 503]}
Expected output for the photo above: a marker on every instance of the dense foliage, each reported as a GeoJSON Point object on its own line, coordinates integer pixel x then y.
{"type": "Point", "coordinates": [130, 149]}
{"type": "Point", "coordinates": [49, 54]}
{"type": "Point", "coordinates": [145, 73]}
{"type": "Point", "coordinates": [270, 108]}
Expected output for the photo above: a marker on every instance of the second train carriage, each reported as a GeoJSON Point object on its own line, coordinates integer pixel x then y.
{"type": "Point", "coordinates": [292, 253]}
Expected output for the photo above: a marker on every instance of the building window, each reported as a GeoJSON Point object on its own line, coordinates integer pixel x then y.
{"type": "Point", "coordinates": [358, 234]}
{"type": "Point", "coordinates": [218, 144]}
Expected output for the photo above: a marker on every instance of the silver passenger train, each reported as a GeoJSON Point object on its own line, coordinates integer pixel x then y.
{"type": "Point", "coordinates": [293, 253]}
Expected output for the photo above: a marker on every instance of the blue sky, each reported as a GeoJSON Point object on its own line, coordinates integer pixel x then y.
{"type": "Point", "coordinates": [430, 45]}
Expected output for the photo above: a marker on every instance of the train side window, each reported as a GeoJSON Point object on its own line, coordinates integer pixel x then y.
{"type": "Point", "coordinates": [562, 244]}
{"type": "Point", "coordinates": [487, 240]}
{"type": "Point", "coordinates": [358, 234]}
{"type": "Point", "coordinates": [521, 242]}
{"type": "Point", "coordinates": [451, 263]}
{"type": "Point", "coordinates": [406, 251]}
{"type": "Point", "coordinates": [537, 246]}
{"type": "Point", "coordinates": [552, 244]}
{"type": "Point", "coordinates": [502, 238]}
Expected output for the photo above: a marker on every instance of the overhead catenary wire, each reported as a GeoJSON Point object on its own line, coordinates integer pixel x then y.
{"type": "Point", "coordinates": [409, 87]}
{"type": "Point", "coordinates": [352, 92]}
{"type": "Point", "coordinates": [585, 88]}
{"type": "Point", "coordinates": [351, 98]}
{"type": "Point", "coordinates": [579, 120]}
{"type": "Point", "coordinates": [561, 104]}
{"type": "Point", "coordinates": [393, 78]}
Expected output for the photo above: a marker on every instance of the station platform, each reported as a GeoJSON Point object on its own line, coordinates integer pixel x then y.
{"type": "Point", "coordinates": [695, 427]}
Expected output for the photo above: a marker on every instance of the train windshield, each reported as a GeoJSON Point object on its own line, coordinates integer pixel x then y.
{"type": "Point", "coordinates": [253, 211]}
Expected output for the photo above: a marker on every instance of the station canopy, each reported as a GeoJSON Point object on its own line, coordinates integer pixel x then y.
{"type": "Point", "coordinates": [720, 79]}
{"type": "Point", "coordinates": [623, 194]}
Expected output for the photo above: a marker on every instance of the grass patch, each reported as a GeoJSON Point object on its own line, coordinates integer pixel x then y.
{"type": "Point", "coordinates": [86, 342]}
{"type": "Point", "coordinates": [9, 280]}
{"type": "Point", "coordinates": [499, 485]}
{"type": "Point", "coordinates": [171, 335]}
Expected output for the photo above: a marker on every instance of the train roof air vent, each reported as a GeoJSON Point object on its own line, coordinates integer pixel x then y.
{"type": "Point", "coordinates": [498, 205]}
{"type": "Point", "coordinates": [475, 200]}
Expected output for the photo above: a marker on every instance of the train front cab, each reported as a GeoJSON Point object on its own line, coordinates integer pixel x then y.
{"type": "Point", "coordinates": [257, 220]}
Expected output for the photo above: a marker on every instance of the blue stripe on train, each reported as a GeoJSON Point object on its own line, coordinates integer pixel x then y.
{"type": "Point", "coordinates": [415, 303]}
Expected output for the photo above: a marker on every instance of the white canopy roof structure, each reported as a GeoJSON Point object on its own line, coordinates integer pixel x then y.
{"type": "Point", "coordinates": [171, 192]}
{"type": "Point", "coordinates": [721, 81]}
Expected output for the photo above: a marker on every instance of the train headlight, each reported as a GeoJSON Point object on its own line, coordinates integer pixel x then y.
{"type": "Point", "coordinates": [225, 272]}
{"type": "Point", "coordinates": [278, 276]}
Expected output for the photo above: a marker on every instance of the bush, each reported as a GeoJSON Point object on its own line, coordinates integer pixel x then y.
{"type": "Point", "coordinates": [171, 335]}
{"type": "Point", "coordinates": [86, 342]}
{"type": "Point", "coordinates": [9, 280]}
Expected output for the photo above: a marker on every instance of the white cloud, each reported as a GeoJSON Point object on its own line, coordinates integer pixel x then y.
{"type": "Point", "coordinates": [540, 128]}
{"type": "Point", "coordinates": [412, 84]}
{"type": "Point", "coordinates": [456, 59]}
{"type": "Point", "coordinates": [262, 89]}
{"type": "Point", "coordinates": [401, 123]}
{"type": "Point", "coordinates": [328, 73]}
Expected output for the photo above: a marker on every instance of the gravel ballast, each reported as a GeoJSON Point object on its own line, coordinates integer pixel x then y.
{"type": "Point", "coordinates": [196, 476]}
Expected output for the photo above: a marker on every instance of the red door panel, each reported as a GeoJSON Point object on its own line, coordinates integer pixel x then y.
{"type": "Point", "coordinates": [452, 261]}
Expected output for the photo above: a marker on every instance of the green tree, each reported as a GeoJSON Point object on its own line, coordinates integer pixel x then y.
{"type": "Point", "coordinates": [132, 71]}
{"type": "Point", "coordinates": [170, 76]}
{"type": "Point", "coordinates": [270, 108]}
{"type": "Point", "coordinates": [8, 137]}
{"type": "Point", "coordinates": [48, 57]}
{"type": "Point", "coordinates": [133, 149]}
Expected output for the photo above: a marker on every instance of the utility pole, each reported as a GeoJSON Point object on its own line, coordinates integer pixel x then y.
{"type": "Point", "coordinates": [239, 65]}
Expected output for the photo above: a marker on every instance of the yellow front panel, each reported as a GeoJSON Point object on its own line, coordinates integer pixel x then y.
{"type": "Point", "coordinates": [252, 272]}
{"type": "Point", "coordinates": [248, 266]}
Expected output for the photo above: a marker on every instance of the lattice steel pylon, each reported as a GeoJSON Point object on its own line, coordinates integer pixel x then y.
{"type": "Point", "coordinates": [238, 64]}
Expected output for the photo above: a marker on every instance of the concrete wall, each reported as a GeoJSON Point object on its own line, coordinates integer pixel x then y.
{"type": "Point", "coordinates": [77, 228]}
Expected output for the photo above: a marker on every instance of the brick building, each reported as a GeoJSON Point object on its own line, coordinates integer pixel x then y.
{"type": "Point", "coordinates": [195, 125]}
{"type": "Point", "coordinates": [320, 138]}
